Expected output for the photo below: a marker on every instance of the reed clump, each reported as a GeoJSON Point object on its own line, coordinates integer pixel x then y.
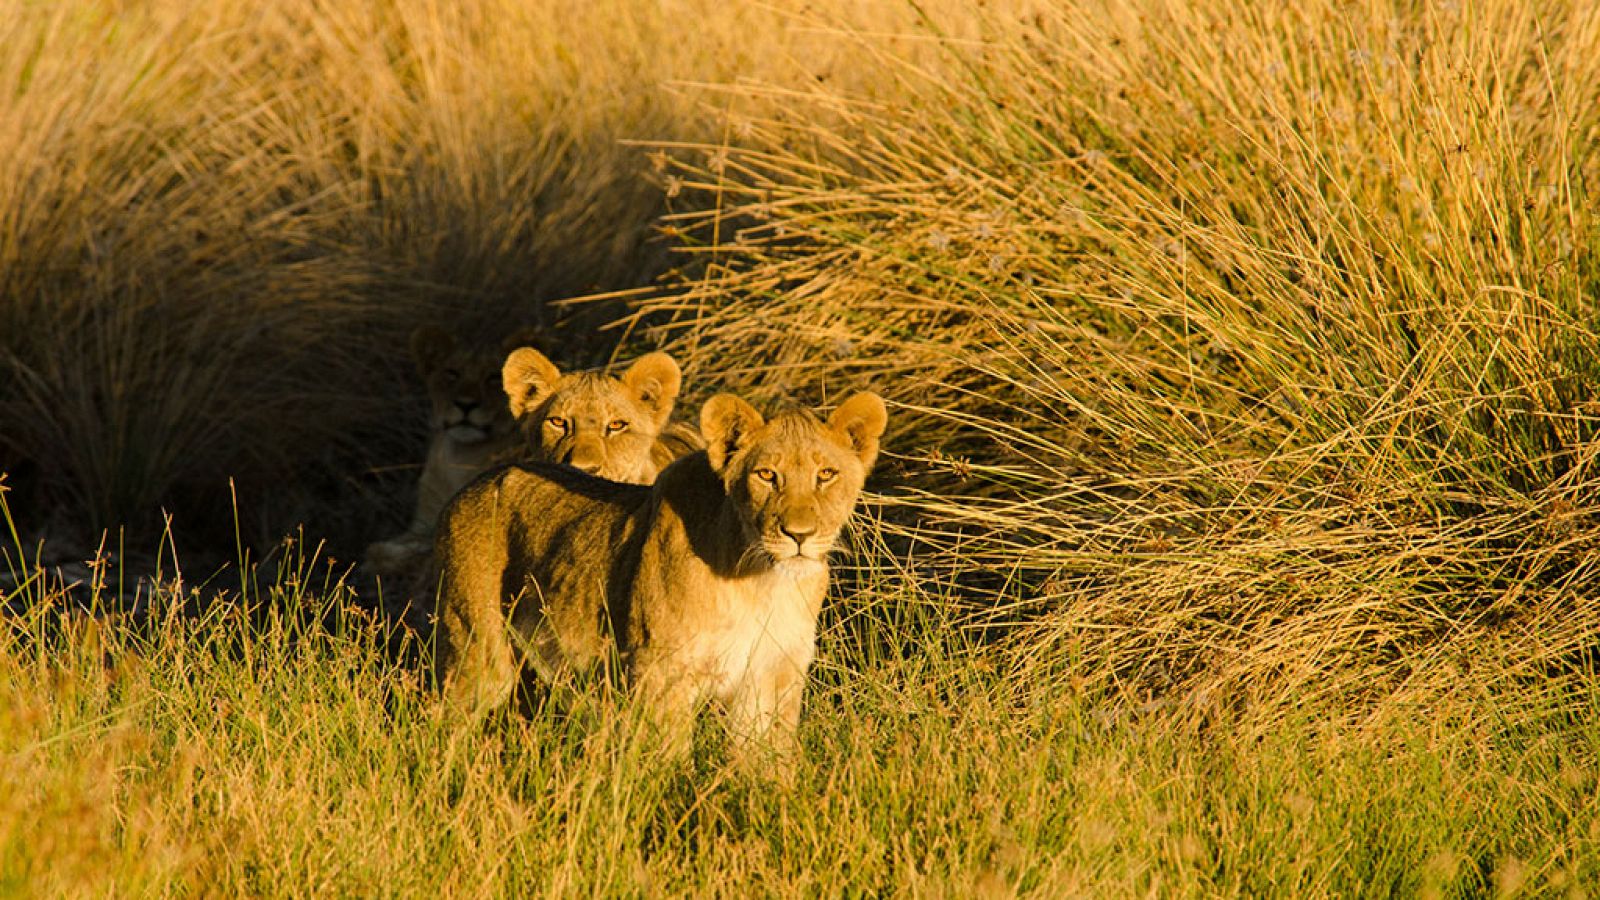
{"type": "Point", "coordinates": [218, 224]}
{"type": "Point", "coordinates": [1244, 352]}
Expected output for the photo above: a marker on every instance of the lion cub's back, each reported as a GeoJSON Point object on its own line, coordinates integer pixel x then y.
{"type": "Point", "coordinates": [540, 509]}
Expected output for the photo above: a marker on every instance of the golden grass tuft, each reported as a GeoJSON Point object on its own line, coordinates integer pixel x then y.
{"type": "Point", "coordinates": [1247, 351]}
{"type": "Point", "coordinates": [268, 744]}
{"type": "Point", "coordinates": [218, 224]}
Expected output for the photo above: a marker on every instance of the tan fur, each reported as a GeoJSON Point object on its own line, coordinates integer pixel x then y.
{"type": "Point", "coordinates": [616, 428]}
{"type": "Point", "coordinates": [471, 429]}
{"type": "Point", "coordinates": [708, 583]}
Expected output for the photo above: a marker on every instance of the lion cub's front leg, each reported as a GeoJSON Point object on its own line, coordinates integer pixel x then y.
{"type": "Point", "coordinates": [474, 662]}
{"type": "Point", "coordinates": [668, 696]}
{"type": "Point", "coordinates": [473, 656]}
{"type": "Point", "coordinates": [764, 719]}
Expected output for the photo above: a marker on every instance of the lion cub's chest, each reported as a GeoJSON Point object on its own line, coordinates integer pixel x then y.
{"type": "Point", "coordinates": [739, 640]}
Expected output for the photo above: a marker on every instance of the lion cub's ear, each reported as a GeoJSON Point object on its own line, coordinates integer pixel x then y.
{"type": "Point", "coordinates": [727, 422]}
{"type": "Point", "coordinates": [528, 379]}
{"type": "Point", "coordinates": [655, 378]}
{"type": "Point", "coordinates": [861, 420]}
{"type": "Point", "coordinates": [430, 344]}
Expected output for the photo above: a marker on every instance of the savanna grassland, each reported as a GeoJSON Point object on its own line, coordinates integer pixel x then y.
{"type": "Point", "coordinates": [1238, 530]}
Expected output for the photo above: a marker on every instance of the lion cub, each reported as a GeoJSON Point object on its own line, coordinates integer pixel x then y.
{"type": "Point", "coordinates": [470, 430]}
{"type": "Point", "coordinates": [616, 428]}
{"type": "Point", "coordinates": [708, 583]}
{"type": "Point", "coordinates": [488, 410]}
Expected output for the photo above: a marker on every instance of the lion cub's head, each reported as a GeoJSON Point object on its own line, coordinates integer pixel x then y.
{"type": "Point", "coordinates": [595, 423]}
{"type": "Point", "coordinates": [792, 480]}
{"type": "Point", "coordinates": [468, 406]}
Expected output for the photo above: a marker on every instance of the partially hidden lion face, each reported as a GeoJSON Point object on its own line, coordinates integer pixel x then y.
{"type": "Point", "coordinates": [792, 480]}
{"type": "Point", "coordinates": [467, 404]}
{"type": "Point", "coordinates": [595, 423]}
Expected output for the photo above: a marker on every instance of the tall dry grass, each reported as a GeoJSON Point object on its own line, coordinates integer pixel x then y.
{"type": "Point", "coordinates": [1246, 351]}
{"type": "Point", "coordinates": [270, 746]}
{"type": "Point", "coordinates": [219, 221]}
{"type": "Point", "coordinates": [1236, 532]}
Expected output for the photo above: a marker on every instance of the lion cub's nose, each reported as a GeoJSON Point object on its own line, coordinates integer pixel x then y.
{"type": "Point", "coordinates": [584, 461]}
{"type": "Point", "coordinates": [799, 532]}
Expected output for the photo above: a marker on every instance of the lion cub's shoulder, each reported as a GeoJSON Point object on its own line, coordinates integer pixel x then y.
{"type": "Point", "coordinates": [519, 513]}
{"type": "Point", "coordinates": [537, 489]}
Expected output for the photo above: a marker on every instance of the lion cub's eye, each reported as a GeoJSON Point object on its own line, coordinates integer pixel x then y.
{"type": "Point", "coordinates": [826, 475]}
{"type": "Point", "coordinates": [556, 423]}
{"type": "Point", "coordinates": [616, 426]}
{"type": "Point", "coordinates": [766, 476]}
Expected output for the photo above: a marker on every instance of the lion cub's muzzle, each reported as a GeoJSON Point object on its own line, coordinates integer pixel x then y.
{"type": "Point", "coordinates": [585, 456]}
{"type": "Point", "coordinates": [468, 421]}
{"type": "Point", "coordinates": [794, 532]}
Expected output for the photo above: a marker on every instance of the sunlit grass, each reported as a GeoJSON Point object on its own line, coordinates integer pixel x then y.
{"type": "Point", "coordinates": [271, 745]}
{"type": "Point", "coordinates": [1236, 531]}
{"type": "Point", "coordinates": [1255, 350]}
